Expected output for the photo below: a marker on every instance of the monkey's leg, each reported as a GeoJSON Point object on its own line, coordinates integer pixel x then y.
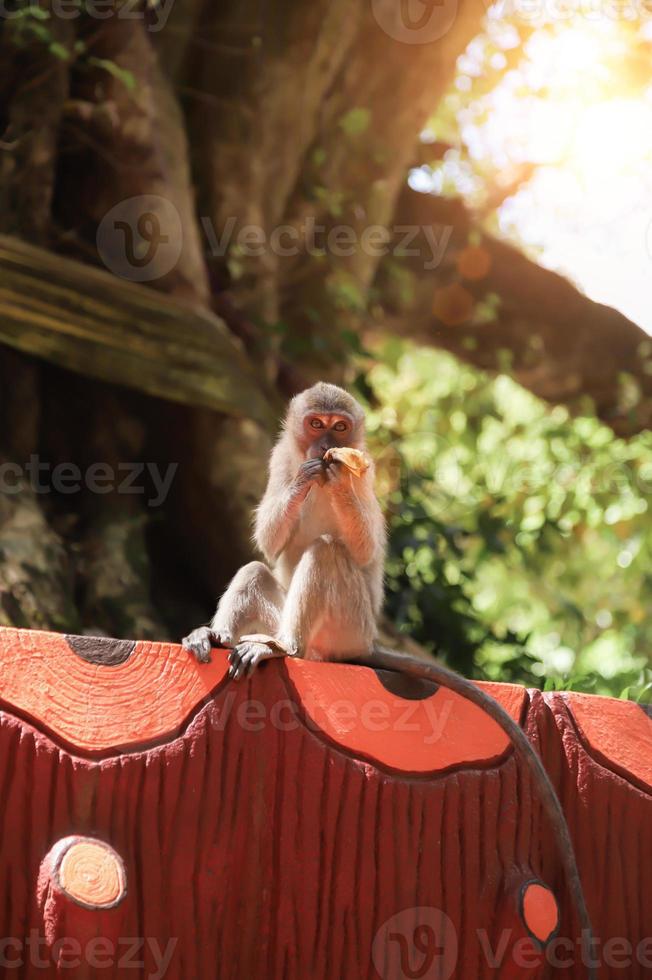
{"type": "Point", "coordinates": [251, 603]}
{"type": "Point", "coordinates": [328, 612]}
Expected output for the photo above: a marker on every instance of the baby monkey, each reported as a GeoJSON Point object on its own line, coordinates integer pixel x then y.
{"type": "Point", "coordinates": [322, 532]}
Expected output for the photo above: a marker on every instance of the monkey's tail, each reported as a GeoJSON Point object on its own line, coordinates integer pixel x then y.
{"type": "Point", "coordinates": [393, 660]}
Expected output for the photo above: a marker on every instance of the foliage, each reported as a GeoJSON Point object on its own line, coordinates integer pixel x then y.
{"type": "Point", "coordinates": [521, 542]}
{"type": "Point", "coordinates": [31, 24]}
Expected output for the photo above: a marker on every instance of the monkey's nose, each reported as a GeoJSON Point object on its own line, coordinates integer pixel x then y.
{"type": "Point", "coordinates": [327, 444]}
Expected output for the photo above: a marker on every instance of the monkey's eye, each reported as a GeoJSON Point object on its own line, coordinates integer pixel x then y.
{"type": "Point", "coordinates": [340, 426]}
{"type": "Point", "coordinates": [317, 424]}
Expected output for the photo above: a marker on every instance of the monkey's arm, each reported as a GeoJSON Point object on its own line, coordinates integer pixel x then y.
{"type": "Point", "coordinates": [275, 520]}
{"type": "Point", "coordinates": [278, 511]}
{"type": "Point", "coordinates": [360, 519]}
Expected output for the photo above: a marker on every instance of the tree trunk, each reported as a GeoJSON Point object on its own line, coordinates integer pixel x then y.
{"type": "Point", "coordinates": [285, 117]}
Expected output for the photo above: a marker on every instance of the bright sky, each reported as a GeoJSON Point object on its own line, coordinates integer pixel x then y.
{"type": "Point", "coordinates": [577, 105]}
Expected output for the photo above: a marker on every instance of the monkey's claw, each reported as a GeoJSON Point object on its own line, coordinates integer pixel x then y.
{"type": "Point", "coordinates": [200, 642]}
{"type": "Point", "coordinates": [245, 657]}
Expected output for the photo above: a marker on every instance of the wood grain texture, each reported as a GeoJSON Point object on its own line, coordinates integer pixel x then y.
{"type": "Point", "coordinates": [258, 847]}
{"type": "Point", "coordinates": [91, 322]}
{"type": "Point", "coordinates": [430, 734]}
{"type": "Point", "coordinates": [101, 704]}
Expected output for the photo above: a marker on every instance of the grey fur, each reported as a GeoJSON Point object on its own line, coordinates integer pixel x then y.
{"type": "Point", "coordinates": [323, 536]}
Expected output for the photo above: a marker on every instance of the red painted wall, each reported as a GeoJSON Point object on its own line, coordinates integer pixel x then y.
{"type": "Point", "coordinates": [305, 823]}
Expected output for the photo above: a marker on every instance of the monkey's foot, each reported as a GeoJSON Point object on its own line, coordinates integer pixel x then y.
{"type": "Point", "coordinates": [200, 641]}
{"type": "Point", "coordinates": [251, 651]}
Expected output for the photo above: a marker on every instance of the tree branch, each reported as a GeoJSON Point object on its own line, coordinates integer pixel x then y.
{"type": "Point", "coordinates": [98, 325]}
{"type": "Point", "coordinates": [561, 345]}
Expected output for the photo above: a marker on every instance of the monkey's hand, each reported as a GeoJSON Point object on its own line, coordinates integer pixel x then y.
{"type": "Point", "coordinates": [250, 652]}
{"type": "Point", "coordinates": [200, 641]}
{"type": "Point", "coordinates": [312, 471]}
{"type": "Point", "coordinates": [338, 476]}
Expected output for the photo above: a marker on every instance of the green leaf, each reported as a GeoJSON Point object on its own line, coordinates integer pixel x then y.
{"type": "Point", "coordinates": [39, 31]}
{"type": "Point", "coordinates": [355, 121]}
{"type": "Point", "coordinates": [59, 51]}
{"type": "Point", "coordinates": [122, 74]}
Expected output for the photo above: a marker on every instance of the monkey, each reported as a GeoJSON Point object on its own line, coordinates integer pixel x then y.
{"type": "Point", "coordinates": [319, 596]}
{"type": "Point", "coordinates": [322, 532]}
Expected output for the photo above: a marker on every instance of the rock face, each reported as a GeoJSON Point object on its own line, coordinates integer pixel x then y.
{"type": "Point", "coordinates": [316, 820]}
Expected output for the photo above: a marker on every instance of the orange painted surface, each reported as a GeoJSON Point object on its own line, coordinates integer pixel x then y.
{"type": "Point", "coordinates": [94, 707]}
{"type": "Point", "coordinates": [97, 708]}
{"type": "Point", "coordinates": [619, 731]}
{"type": "Point", "coordinates": [540, 911]}
{"type": "Point", "coordinates": [92, 873]}
{"type": "Point", "coordinates": [351, 706]}
{"type": "Point", "coordinates": [267, 845]}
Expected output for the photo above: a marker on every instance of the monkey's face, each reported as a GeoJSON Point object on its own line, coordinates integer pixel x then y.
{"type": "Point", "coordinates": [324, 431]}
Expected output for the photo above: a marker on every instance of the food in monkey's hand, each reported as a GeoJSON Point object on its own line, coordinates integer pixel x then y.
{"type": "Point", "coordinates": [355, 460]}
{"type": "Point", "coordinates": [322, 532]}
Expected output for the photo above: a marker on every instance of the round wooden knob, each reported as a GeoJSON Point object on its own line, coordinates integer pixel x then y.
{"type": "Point", "coordinates": [91, 873]}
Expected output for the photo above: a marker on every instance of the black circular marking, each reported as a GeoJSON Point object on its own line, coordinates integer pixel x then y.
{"type": "Point", "coordinates": [101, 650]}
{"type": "Point", "coordinates": [404, 686]}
